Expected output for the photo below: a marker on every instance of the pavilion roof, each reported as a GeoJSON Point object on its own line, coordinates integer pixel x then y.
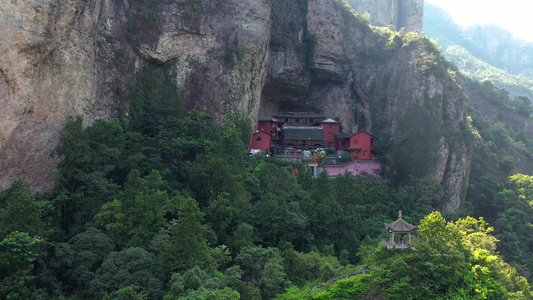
{"type": "Point", "coordinates": [400, 226]}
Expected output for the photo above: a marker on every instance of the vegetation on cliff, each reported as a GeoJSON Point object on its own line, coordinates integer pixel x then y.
{"type": "Point", "coordinates": [452, 260]}
{"type": "Point", "coordinates": [160, 206]}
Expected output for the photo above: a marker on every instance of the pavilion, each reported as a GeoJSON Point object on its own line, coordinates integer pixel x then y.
{"type": "Point", "coordinates": [396, 229]}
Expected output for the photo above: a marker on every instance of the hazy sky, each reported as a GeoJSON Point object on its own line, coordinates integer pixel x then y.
{"type": "Point", "coordinates": [513, 15]}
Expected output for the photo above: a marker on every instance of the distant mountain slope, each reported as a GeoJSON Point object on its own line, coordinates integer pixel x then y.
{"type": "Point", "coordinates": [484, 52]}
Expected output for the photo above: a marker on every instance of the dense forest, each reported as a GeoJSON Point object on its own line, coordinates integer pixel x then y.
{"type": "Point", "coordinates": [159, 204]}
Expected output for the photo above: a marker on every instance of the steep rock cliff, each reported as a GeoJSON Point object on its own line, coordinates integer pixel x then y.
{"type": "Point", "coordinates": [397, 87]}
{"type": "Point", "coordinates": [79, 57]}
{"type": "Point", "coordinates": [258, 56]}
{"type": "Point", "coordinates": [406, 14]}
{"type": "Point", "coordinates": [48, 71]}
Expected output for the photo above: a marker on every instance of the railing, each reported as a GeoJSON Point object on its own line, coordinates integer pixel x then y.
{"type": "Point", "coordinates": [290, 158]}
{"type": "Point", "coordinates": [301, 158]}
{"type": "Point", "coordinates": [396, 245]}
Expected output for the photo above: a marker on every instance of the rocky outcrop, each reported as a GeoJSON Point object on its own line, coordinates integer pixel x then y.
{"type": "Point", "coordinates": [258, 56]}
{"type": "Point", "coordinates": [48, 71]}
{"type": "Point", "coordinates": [397, 88]}
{"type": "Point", "coordinates": [79, 57]}
{"type": "Point", "coordinates": [407, 14]}
{"type": "Point", "coordinates": [219, 51]}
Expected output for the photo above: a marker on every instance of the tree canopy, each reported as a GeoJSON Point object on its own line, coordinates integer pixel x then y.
{"type": "Point", "coordinates": [163, 205]}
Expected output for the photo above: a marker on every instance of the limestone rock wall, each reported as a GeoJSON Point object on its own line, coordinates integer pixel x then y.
{"type": "Point", "coordinates": [48, 72]}
{"type": "Point", "coordinates": [259, 56]}
{"type": "Point", "coordinates": [75, 57]}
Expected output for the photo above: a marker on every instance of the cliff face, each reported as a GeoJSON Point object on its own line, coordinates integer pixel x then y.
{"type": "Point", "coordinates": [79, 57]}
{"type": "Point", "coordinates": [258, 56]}
{"type": "Point", "coordinates": [48, 71]}
{"type": "Point", "coordinates": [399, 13]}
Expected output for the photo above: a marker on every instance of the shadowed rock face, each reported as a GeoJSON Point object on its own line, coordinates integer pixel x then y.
{"type": "Point", "coordinates": [258, 56]}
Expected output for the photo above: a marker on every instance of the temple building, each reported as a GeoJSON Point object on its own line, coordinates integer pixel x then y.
{"type": "Point", "coordinates": [318, 141]}
{"type": "Point", "coordinates": [309, 131]}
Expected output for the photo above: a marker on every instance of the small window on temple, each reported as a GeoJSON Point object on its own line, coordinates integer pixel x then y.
{"type": "Point", "coordinates": [330, 134]}
{"type": "Point", "coordinates": [262, 123]}
{"type": "Point", "coordinates": [355, 141]}
{"type": "Point", "coordinates": [371, 141]}
{"type": "Point", "coordinates": [258, 139]}
{"type": "Point", "coordinates": [331, 125]}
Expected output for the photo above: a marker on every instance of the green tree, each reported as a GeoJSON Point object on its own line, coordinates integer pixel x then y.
{"type": "Point", "coordinates": [95, 149]}
{"type": "Point", "coordinates": [21, 211]}
{"type": "Point", "coordinates": [324, 211]}
{"type": "Point", "coordinates": [439, 235]}
{"type": "Point", "coordinates": [18, 251]}
{"type": "Point", "coordinates": [131, 267]}
{"type": "Point", "coordinates": [522, 105]}
{"type": "Point", "coordinates": [183, 245]}
{"type": "Point", "coordinates": [226, 214]}
{"type": "Point", "coordinates": [278, 214]}
{"type": "Point", "coordinates": [155, 102]}
{"type": "Point", "coordinates": [242, 123]}
{"type": "Point", "coordinates": [197, 135]}
{"type": "Point", "coordinates": [242, 237]}
{"type": "Point", "coordinates": [196, 283]}
{"type": "Point", "coordinates": [272, 279]}
{"type": "Point", "coordinates": [420, 197]}
{"type": "Point", "coordinates": [513, 223]}
{"type": "Point", "coordinates": [139, 212]}
{"type": "Point", "coordinates": [88, 171]}
{"type": "Point", "coordinates": [76, 261]}
{"type": "Point", "coordinates": [302, 268]}
{"type": "Point", "coordinates": [212, 175]}
{"type": "Point", "coordinates": [253, 259]}
{"type": "Point", "coordinates": [454, 260]}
